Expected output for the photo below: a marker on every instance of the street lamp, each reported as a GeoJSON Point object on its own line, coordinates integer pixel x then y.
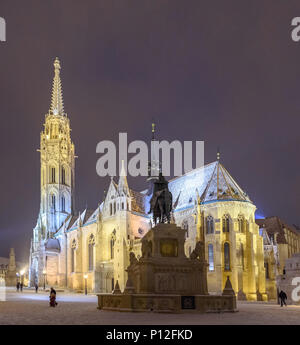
{"type": "Point", "coordinates": [85, 280]}
{"type": "Point", "coordinates": [44, 273]}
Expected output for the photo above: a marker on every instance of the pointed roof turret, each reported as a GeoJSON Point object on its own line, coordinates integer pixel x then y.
{"type": "Point", "coordinates": [222, 186]}
{"type": "Point", "coordinates": [57, 105]}
{"type": "Point", "coordinates": [123, 184]}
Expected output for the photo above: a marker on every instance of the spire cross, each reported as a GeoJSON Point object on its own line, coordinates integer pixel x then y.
{"type": "Point", "coordinates": [218, 154]}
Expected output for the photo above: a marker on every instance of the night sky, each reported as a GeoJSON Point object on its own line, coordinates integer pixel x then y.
{"type": "Point", "coordinates": [226, 72]}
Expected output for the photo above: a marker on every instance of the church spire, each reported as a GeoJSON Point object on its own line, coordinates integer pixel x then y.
{"type": "Point", "coordinates": [123, 184]}
{"type": "Point", "coordinates": [57, 105]}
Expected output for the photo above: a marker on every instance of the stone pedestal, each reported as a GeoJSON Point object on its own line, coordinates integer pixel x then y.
{"type": "Point", "coordinates": [165, 280]}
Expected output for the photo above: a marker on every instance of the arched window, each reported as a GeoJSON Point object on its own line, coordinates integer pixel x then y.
{"type": "Point", "coordinates": [241, 222]}
{"type": "Point", "coordinates": [52, 175]}
{"type": "Point", "coordinates": [112, 247]}
{"type": "Point", "coordinates": [267, 270]}
{"type": "Point", "coordinates": [185, 226]}
{"type": "Point", "coordinates": [73, 252]}
{"type": "Point", "coordinates": [63, 204]}
{"type": "Point", "coordinates": [209, 225]}
{"type": "Point", "coordinates": [225, 223]}
{"type": "Point", "coordinates": [211, 265]}
{"type": "Point", "coordinates": [63, 175]}
{"type": "Point", "coordinates": [226, 256]}
{"type": "Point", "coordinates": [91, 247]}
{"type": "Point", "coordinates": [242, 256]}
{"type": "Point", "coordinates": [52, 201]}
{"type": "Point", "coordinates": [110, 209]}
{"type": "Point", "coordinates": [114, 207]}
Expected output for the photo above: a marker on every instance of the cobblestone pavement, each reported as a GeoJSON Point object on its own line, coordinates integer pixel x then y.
{"type": "Point", "coordinates": [29, 308]}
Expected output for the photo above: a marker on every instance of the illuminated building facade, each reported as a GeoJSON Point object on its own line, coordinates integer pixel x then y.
{"type": "Point", "coordinates": [97, 242]}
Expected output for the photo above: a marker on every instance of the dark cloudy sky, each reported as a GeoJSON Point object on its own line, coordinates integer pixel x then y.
{"type": "Point", "coordinates": [226, 72]}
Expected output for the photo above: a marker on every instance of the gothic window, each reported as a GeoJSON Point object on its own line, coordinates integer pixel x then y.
{"type": "Point", "coordinates": [225, 223]}
{"type": "Point", "coordinates": [267, 270]}
{"type": "Point", "coordinates": [63, 175]}
{"type": "Point", "coordinates": [91, 247]}
{"type": "Point", "coordinates": [122, 205]}
{"type": "Point", "coordinates": [242, 256]}
{"type": "Point", "coordinates": [209, 225]}
{"type": "Point", "coordinates": [63, 204]}
{"type": "Point", "coordinates": [211, 265]}
{"type": "Point", "coordinates": [52, 175]}
{"type": "Point", "coordinates": [226, 256]}
{"type": "Point", "coordinates": [241, 223]}
{"type": "Point", "coordinates": [53, 201]}
{"type": "Point", "coordinates": [112, 247]}
{"type": "Point", "coordinates": [110, 209]}
{"type": "Point", "coordinates": [185, 226]}
{"type": "Point", "coordinates": [114, 207]}
{"type": "Point", "coordinates": [73, 252]}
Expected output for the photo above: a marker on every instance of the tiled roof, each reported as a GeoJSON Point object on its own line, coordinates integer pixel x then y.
{"type": "Point", "coordinates": [137, 201]}
{"type": "Point", "coordinates": [211, 183]}
{"type": "Point", "coordinates": [275, 226]}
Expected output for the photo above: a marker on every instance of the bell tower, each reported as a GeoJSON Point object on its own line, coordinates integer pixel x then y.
{"type": "Point", "coordinates": [57, 155]}
{"type": "Point", "coordinates": [57, 163]}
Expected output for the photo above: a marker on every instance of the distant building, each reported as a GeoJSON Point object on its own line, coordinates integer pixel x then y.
{"type": "Point", "coordinates": [285, 281]}
{"type": "Point", "coordinates": [9, 269]}
{"type": "Point", "coordinates": [281, 242]}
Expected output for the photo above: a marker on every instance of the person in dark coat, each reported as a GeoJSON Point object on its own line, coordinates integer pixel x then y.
{"type": "Point", "coordinates": [52, 298]}
{"type": "Point", "coordinates": [21, 287]}
{"type": "Point", "coordinates": [18, 286]}
{"type": "Point", "coordinates": [36, 287]}
{"type": "Point", "coordinates": [283, 298]}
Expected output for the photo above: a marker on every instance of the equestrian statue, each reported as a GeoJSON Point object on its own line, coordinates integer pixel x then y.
{"type": "Point", "coordinates": [161, 201]}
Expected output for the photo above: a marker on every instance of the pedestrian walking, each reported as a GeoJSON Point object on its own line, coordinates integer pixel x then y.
{"type": "Point", "coordinates": [18, 286]}
{"type": "Point", "coordinates": [36, 287]}
{"type": "Point", "coordinates": [283, 298]}
{"type": "Point", "coordinates": [52, 298]}
{"type": "Point", "coordinates": [21, 287]}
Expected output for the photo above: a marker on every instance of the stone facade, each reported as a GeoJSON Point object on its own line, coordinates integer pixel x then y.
{"type": "Point", "coordinates": [281, 242]}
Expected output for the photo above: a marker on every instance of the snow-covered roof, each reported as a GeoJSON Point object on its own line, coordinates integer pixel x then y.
{"type": "Point", "coordinates": [210, 183]}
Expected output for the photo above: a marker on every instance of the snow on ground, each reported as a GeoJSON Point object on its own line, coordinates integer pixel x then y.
{"type": "Point", "coordinates": [29, 308]}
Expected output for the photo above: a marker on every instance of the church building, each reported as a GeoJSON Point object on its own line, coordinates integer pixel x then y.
{"type": "Point", "coordinates": [93, 246]}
